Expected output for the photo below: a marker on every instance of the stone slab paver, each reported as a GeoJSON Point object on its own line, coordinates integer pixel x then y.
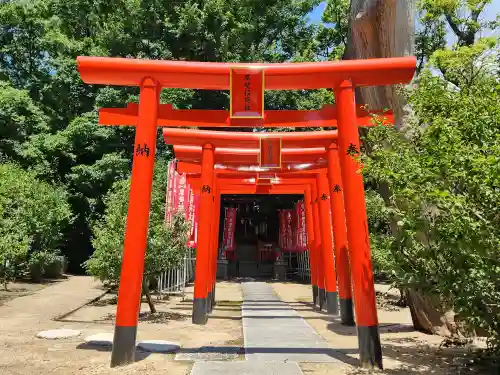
{"type": "Point", "coordinates": [245, 368]}
{"type": "Point", "coordinates": [274, 332]}
{"type": "Point", "coordinates": [209, 354]}
{"type": "Point", "coordinates": [100, 339]}
{"type": "Point", "coordinates": [55, 334]}
{"type": "Point", "coordinates": [276, 339]}
{"type": "Point", "coordinates": [36, 309]}
{"type": "Point", "coordinates": [158, 346]}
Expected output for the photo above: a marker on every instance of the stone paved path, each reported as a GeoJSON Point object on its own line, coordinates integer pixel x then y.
{"type": "Point", "coordinates": [276, 338]}
{"type": "Point", "coordinates": [245, 368]}
{"type": "Point", "coordinates": [273, 331]}
{"type": "Point", "coordinates": [35, 310]}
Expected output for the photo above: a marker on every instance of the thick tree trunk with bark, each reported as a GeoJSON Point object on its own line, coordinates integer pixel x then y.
{"type": "Point", "coordinates": [381, 28]}
{"type": "Point", "coordinates": [428, 315]}
{"type": "Point", "coordinates": [386, 28]}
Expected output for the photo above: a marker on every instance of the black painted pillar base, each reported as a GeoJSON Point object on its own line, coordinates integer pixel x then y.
{"type": "Point", "coordinates": [123, 352]}
{"type": "Point", "coordinates": [315, 295]}
{"type": "Point", "coordinates": [213, 298]}
{"type": "Point", "coordinates": [332, 303]}
{"type": "Point", "coordinates": [209, 302]}
{"type": "Point", "coordinates": [370, 350]}
{"type": "Point", "coordinates": [321, 298]}
{"type": "Point", "coordinates": [346, 312]}
{"type": "Point", "coordinates": [200, 315]}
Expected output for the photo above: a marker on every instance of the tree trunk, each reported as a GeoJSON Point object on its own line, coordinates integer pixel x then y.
{"type": "Point", "coordinates": [386, 28]}
{"type": "Point", "coordinates": [381, 28]}
{"type": "Point", "coordinates": [428, 316]}
{"type": "Point", "coordinates": [152, 307]}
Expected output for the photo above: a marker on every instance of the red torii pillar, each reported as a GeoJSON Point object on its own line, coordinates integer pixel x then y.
{"type": "Point", "coordinates": [327, 261]}
{"type": "Point", "coordinates": [214, 247]}
{"type": "Point", "coordinates": [202, 272]}
{"type": "Point", "coordinates": [136, 230]}
{"type": "Point", "coordinates": [313, 262]}
{"type": "Point", "coordinates": [340, 237]}
{"type": "Point", "coordinates": [318, 249]}
{"type": "Point", "coordinates": [370, 350]}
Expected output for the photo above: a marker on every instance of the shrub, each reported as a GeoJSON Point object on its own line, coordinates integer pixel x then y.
{"type": "Point", "coordinates": [166, 245]}
{"type": "Point", "coordinates": [443, 171]}
{"type": "Point", "coordinates": [33, 215]}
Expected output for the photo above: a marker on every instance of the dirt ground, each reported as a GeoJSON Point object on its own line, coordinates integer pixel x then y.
{"type": "Point", "coordinates": [19, 289]}
{"type": "Point", "coordinates": [405, 351]}
{"type": "Point", "coordinates": [22, 353]}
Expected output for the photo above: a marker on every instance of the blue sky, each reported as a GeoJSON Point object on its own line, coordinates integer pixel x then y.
{"type": "Point", "coordinates": [489, 14]}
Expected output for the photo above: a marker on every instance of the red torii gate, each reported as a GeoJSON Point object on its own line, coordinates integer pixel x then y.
{"type": "Point", "coordinates": [246, 82]}
{"type": "Point", "coordinates": [205, 283]}
{"type": "Point", "coordinates": [295, 155]}
{"type": "Point", "coordinates": [216, 139]}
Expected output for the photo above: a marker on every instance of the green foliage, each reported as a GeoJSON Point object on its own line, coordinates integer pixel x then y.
{"type": "Point", "coordinates": [32, 214]}
{"type": "Point", "coordinates": [332, 34]}
{"type": "Point", "coordinates": [19, 119]}
{"type": "Point", "coordinates": [443, 170]}
{"type": "Point", "coordinates": [39, 263]}
{"type": "Point", "coordinates": [380, 236]}
{"type": "Point", "coordinates": [463, 18]}
{"type": "Point", "coordinates": [166, 244]}
{"type": "Point", "coordinates": [40, 40]}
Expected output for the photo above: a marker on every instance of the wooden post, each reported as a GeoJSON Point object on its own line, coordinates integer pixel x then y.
{"type": "Point", "coordinates": [136, 232]}
{"type": "Point", "coordinates": [203, 249]}
{"type": "Point", "coordinates": [357, 229]}
{"type": "Point", "coordinates": [340, 236]}
{"type": "Point", "coordinates": [327, 263]}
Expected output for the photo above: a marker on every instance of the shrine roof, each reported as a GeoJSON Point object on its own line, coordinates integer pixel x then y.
{"type": "Point", "coordinates": [216, 76]}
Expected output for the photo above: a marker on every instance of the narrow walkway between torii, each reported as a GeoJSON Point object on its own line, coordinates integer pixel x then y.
{"type": "Point", "coordinates": [276, 338]}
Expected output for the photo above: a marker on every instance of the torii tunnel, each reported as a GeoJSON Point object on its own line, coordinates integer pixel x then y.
{"type": "Point", "coordinates": [322, 166]}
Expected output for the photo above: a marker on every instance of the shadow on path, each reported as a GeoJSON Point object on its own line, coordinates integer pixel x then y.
{"type": "Point", "coordinates": [140, 355]}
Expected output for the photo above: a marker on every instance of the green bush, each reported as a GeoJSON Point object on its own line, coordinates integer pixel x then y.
{"type": "Point", "coordinates": [33, 215]}
{"type": "Point", "coordinates": [166, 245]}
{"type": "Point", "coordinates": [443, 171]}
{"type": "Point", "coordinates": [54, 268]}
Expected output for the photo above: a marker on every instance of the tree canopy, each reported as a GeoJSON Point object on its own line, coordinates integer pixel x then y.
{"type": "Point", "coordinates": [50, 114]}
